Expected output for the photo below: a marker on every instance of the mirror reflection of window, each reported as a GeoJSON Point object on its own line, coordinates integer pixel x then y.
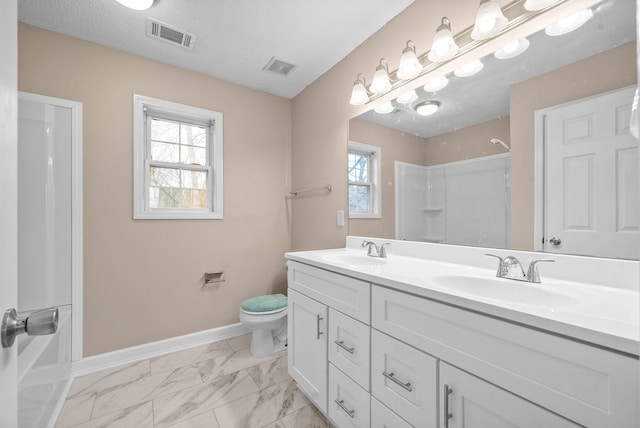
{"type": "Point", "coordinates": [363, 173]}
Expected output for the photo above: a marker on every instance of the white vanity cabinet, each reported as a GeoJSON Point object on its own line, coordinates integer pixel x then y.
{"type": "Point", "coordinates": [582, 383]}
{"type": "Point", "coordinates": [374, 356]}
{"type": "Point", "coordinates": [319, 332]}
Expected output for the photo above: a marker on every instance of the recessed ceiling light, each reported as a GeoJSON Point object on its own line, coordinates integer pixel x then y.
{"type": "Point", "coordinates": [136, 4]}
{"type": "Point", "coordinates": [427, 108]}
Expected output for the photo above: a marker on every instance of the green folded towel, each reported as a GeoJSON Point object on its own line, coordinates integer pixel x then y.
{"type": "Point", "coordinates": [270, 302]}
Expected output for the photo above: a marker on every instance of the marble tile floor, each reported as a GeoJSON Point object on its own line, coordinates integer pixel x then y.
{"type": "Point", "coordinates": [218, 385]}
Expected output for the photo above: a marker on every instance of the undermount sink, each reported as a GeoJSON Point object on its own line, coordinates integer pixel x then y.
{"type": "Point", "coordinates": [505, 290]}
{"type": "Point", "coordinates": [353, 259]}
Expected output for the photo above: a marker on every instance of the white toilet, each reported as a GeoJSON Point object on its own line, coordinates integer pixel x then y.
{"type": "Point", "coordinates": [266, 317]}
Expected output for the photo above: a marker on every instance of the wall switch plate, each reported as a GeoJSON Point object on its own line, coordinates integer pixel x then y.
{"type": "Point", "coordinates": [340, 218]}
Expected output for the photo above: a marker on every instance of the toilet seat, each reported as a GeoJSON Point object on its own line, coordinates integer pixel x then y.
{"type": "Point", "coordinates": [275, 311]}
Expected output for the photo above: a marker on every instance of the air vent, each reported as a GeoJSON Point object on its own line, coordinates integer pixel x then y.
{"type": "Point", "coordinates": [278, 66]}
{"type": "Point", "coordinates": [170, 34]}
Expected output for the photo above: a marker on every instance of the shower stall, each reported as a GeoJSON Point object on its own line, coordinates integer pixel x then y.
{"type": "Point", "coordinates": [49, 250]}
{"type": "Point", "coordinates": [464, 203]}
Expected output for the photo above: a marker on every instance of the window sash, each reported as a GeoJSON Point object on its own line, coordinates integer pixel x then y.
{"type": "Point", "coordinates": [213, 121]}
{"type": "Point", "coordinates": [181, 166]}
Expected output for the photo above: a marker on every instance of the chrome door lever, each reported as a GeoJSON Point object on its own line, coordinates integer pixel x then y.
{"type": "Point", "coordinates": [37, 323]}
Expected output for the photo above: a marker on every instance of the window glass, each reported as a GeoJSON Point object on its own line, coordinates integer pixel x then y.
{"type": "Point", "coordinates": [178, 152]}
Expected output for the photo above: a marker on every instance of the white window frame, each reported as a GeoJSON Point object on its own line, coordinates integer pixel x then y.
{"type": "Point", "coordinates": [142, 159]}
{"type": "Point", "coordinates": [375, 194]}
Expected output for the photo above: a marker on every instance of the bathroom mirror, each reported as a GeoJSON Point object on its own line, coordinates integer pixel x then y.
{"type": "Point", "coordinates": [477, 119]}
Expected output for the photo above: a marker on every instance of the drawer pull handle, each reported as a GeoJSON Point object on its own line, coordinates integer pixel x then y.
{"type": "Point", "coordinates": [391, 377]}
{"type": "Point", "coordinates": [341, 344]}
{"type": "Point", "coordinates": [448, 416]}
{"type": "Point", "coordinates": [340, 403]}
{"type": "Point", "coordinates": [318, 319]}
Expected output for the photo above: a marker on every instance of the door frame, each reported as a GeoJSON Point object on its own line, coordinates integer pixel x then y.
{"type": "Point", "coordinates": [540, 117]}
{"type": "Point", "coordinates": [76, 215]}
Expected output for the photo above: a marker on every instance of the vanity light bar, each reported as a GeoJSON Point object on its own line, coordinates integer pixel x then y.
{"type": "Point", "coordinates": [516, 15]}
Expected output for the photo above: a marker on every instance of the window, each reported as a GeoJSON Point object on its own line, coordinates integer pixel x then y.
{"type": "Point", "coordinates": [363, 171]}
{"type": "Point", "coordinates": [177, 161]}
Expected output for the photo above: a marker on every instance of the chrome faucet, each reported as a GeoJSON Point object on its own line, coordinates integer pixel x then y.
{"type": "Point", "coordinates": [510, 268]}
{"type": "Point", "coordinates": [374, 251]}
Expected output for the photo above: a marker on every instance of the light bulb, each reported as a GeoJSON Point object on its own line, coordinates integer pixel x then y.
{"type": "Point", "coordinates": [538, 4]}
{"type": "Point", "coordinates": [384, 108]}
{"type": "Point", "coordinates": [489, 20]}
{"type": "Point", "coordinates": [512, 49]}
{"type": "Point", "coordinates": [444, 46]}
{"type": "Point", "coordinates": [380, 82]}
{"type": "Point", "coordinates": [409, 67]}
{"type": "Point", "coordinates": [359, 94]}
{"type": "Point", "coordinates": [436, 84]}
{"type": "Point", "coordinates": [469, 69]}
{"type": "Point", "coordinates": [569, 23]}
{"type": "Point", "coordinates": [136, 4]}
{"type": "Point", "coordinates": [407, 97]}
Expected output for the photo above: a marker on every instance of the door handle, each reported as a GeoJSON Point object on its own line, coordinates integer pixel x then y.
{"type": "Point", "coordinates": [555, 241]}
{"type": "Point", "coordinates": [37, 323]}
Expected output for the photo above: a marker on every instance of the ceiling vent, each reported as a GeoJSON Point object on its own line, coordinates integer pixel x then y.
{"type": "Point", "coordinates": [278, 66]}
{"type": "Point", "coordinates": [170, 34]}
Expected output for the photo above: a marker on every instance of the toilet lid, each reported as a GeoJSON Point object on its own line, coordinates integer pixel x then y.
{"type": "Point", "coordinates": [267, 303]}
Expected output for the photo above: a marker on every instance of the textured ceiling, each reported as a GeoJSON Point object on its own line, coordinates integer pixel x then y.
{"type": "Point", "coordinates": [470, 100]}
{"type": "Point", "coordinates": [234, 38]}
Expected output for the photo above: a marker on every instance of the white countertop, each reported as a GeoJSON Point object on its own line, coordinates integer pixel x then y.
{"type": "Point", "coordinates": [606, 316]}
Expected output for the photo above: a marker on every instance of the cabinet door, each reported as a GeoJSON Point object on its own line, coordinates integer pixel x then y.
{"type": "Point", "coordinates": [473, 403]}
{"type": "Point", "coordinates": [307, 346]}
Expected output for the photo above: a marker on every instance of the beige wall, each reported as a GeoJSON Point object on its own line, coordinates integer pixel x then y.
{"type": "Point", "coordinates": [468, 143]}
{"type": "Point", "coordinates": [605, 72]}
{"type": "Point", "coordinates": [143, 279]}
{"type": "Point", "coordinates": [396, 146]}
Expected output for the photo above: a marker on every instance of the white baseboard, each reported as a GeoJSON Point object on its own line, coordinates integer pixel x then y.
{"type": "Point", "coordinates": [149, 350]}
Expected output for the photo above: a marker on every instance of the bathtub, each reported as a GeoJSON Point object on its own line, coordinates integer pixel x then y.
{"type": "Point", "coordinates": [44, 371]}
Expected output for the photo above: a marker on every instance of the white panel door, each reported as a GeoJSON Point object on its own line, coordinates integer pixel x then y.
{"type": "Point", "coordinates": [8, 203]}
{"type": "Point", "coordinates": [307, 351]}
{"type": "Point", "coordinates": [591, 178]}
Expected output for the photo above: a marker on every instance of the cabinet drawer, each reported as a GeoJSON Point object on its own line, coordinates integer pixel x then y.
{"type": "Point", "coordinates": [382, 417]}
{"type": "Point", "coordinates": [349, 347]}
{"type": "Point", "coordinates": [404, 379]}
{"type": "Point", "coordinates": [592, 386]}
{"type": "Point", "coordinates": [348, 295]}
{"type": "Point", "coordinates": [348, 403]}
